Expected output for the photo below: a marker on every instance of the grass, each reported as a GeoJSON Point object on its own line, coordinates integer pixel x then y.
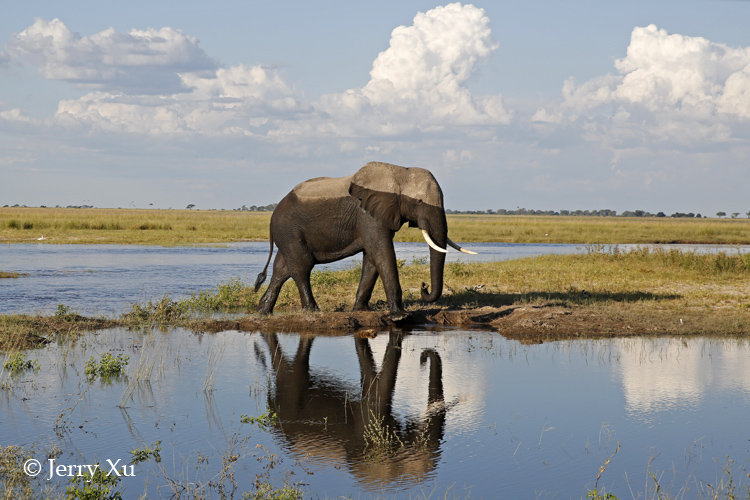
{"type": "Point", "coordinates": [201, 227]}
{"type": "Point", "coordinates": [641, 291]}
{"type": "Point", "coordinates": [130, 226]}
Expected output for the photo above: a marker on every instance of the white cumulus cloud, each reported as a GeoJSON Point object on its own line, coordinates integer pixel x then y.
{"type": "Point", "coordinates": [419, 81]}
{"type": "Point", "coordinates": [232, 101]}
{"type": "Point", "coordinates": [142, 61]}
{"type": "Point", "coordinates": [160, 82]}
{"type": "Point", "coordinates": [668, 80]}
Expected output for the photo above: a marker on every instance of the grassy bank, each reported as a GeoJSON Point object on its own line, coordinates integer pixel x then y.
{"type": "Point", "coordinates": [188, 227]}
{"type": "Point", "coordinates": [605, 292]}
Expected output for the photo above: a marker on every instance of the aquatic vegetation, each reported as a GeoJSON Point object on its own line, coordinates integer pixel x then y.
{"type": "Point", "coordinates": [14, 483]}
{"type": "Point", "coordinates": [17, 363]}
{"type": "Point", "coordinates": [108, 366]}
{"type": "Point", "coordinates": [147, 453]}
{"type": "Point", "coordinates": [64, 313]}
{"type": "Point", "coordinates": [99, 485]}
{"type": "Point", "coordinates": [263, 421]}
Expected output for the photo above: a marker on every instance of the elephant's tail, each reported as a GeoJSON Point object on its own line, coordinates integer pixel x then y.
{"type": "Point", "coordinates": [262, 276]}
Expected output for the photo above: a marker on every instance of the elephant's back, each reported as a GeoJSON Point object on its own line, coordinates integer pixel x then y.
{"type": "Point", "coordinates": [322, 188]}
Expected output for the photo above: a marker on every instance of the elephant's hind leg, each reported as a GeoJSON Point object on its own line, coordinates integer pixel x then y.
{"type": "Point", "coordinates": [280, 275]}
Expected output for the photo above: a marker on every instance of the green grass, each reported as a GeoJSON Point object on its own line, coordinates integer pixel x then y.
{"type": "Point", "coordinates": [648, 287]}
{"type": "Point", "coordinates": [201, 227]}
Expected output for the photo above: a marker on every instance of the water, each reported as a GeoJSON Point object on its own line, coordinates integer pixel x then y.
{"type": "Point", "coordinates": [107, 279]}
{"type": "Point", "coordinates": [482, 417]}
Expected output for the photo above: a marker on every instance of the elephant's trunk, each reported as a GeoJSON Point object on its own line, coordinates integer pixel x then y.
{"type": "Point", "coordinates": [438, 230]}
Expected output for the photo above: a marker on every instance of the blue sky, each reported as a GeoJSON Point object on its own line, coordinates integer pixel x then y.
{"type": "Point", "coordinates": [544, 105]}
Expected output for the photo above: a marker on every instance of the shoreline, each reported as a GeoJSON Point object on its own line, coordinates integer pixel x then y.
{"type": "Point", "coordinates": [526, 322]}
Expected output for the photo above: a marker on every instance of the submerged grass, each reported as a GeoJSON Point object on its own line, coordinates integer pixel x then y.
{"type": "Point", "coordinates": [200, 227]}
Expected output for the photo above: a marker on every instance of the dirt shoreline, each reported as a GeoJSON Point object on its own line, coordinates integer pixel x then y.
{"type": "Point", "coordinates": [527, 323]}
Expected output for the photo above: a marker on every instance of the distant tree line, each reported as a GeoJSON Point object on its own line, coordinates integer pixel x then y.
{"type": "Point", "coordinates": [586, 213]}
{"type": "Point", "coordinates": [253, 208]}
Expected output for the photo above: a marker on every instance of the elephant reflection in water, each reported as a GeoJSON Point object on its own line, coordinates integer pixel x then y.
{"type": "Point", "coordinates": [319, 418]}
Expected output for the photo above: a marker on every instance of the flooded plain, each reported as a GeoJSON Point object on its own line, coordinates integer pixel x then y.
{"type": "Point", "coordinates": [406, 414]}
{"type": "Point", "coordinates": [419, 413]}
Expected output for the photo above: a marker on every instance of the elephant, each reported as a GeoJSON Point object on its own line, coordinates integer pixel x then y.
{"type": "Point", "coordinates": [326, 219]}
{"type": "Point", "coordinates": [319, 419]}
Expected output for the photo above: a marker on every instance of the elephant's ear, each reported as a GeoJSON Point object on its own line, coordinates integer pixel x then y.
{"type": "Point", "coordinates": [383, 207]}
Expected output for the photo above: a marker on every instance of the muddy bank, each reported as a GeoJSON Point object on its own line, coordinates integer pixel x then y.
{"type": "Point", "coordinates": [27, 332]}
{"type": "Point", "coordinates": [528, 323]}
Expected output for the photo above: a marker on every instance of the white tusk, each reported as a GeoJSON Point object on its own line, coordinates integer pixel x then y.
{"type": "Point", "coordinates": [432, 243]}
{"type": "Point", "coordinates": [460, 249]}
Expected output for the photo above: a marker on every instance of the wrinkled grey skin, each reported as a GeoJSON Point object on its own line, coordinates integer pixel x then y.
{"type": "Point", "coordinates": [327, 219]}
{"type": "Point", "coordinates": [318, 415]}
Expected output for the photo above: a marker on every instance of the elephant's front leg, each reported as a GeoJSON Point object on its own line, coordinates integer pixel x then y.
{"type": "Point", "coordinates": [305, 292]}
{"type": "Point", "coordinates": [379, 246]}
{"type": "Point", "coordinates": [366, 284]}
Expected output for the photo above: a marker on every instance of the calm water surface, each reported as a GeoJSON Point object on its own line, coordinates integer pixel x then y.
{"type": "Point", "coordinates": [477, 415]}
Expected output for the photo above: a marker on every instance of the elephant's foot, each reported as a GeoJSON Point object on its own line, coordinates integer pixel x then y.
{"type": "Point", "coordinates": [263, 311]}
{"type": "Point", "coordinates": [361, 307]}
{"type": "Point", "coordinates": [397, 316]}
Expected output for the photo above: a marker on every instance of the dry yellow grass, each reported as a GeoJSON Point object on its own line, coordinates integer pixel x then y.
{"type": "Point", "coordinates": [130, 226]}
{"type": "Point", "coordinates": [196, 227]}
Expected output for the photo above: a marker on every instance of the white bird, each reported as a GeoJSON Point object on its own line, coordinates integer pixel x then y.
{"type": "Point", "coordinates": [42, 238]}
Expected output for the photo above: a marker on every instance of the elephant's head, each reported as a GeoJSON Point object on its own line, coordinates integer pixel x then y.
{"type": "Point", "coordinates": [393, 195]}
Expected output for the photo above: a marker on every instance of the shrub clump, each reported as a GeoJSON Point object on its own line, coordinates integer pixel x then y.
{"type": "Point", "coordinates": [108, 366]}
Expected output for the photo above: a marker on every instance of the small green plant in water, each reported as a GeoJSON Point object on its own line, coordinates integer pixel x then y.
{"type": "Point", "coordinates": [381, 442]}
{"type": "Point", "coordinates": [17, 363]}
{"type": "Point", "coordinates": [595, 495]}
{"type": "Point", "coordinates": [145, 454]}
{"type": "Point", "coordinates": [97, 486]}
{"type": "Point", "coordinates": [64, 313]}
{"type": "Point", "coordinates": [108, 366]}
{"type": "Point", "coordinates": [263, 421]}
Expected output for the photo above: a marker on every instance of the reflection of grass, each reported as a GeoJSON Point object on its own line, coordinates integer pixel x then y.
{"type": "Point", "coordinates": [186, 227]}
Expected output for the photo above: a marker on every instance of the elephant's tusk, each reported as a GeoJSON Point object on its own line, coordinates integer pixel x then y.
{"type": "Point", "coordinates": [432, 243]}
{"type": "Point", "coordinates": [459, 248]}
